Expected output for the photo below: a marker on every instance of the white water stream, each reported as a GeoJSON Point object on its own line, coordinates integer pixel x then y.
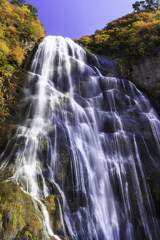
{"type": "Point", "coordinates": [79, 133]}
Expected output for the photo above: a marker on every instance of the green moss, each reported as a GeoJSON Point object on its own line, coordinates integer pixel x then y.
{"type": "Point", "coordinates": [19, 210]}
{"type": "Point", "coordinates": [52, 209]}
{"type": "Point", "coordinates": [16, 205]}
{"type": "Point", "coordinates": [14, 221]}
{"type": "Point", "coordinates": [28, 234]}
{"type": "Point", "coordinates": [0, 216]}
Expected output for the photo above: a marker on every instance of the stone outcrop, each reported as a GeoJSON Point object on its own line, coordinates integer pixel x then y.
{"type": "Point", "coordinates": [145, 76]}
{"type": "Point", "coordinates": [22, 217]}
{"type": "Point", "coordinates": [19, 214]}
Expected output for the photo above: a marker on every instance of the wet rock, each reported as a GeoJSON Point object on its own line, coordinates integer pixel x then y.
{"type": "Point", "coordinates": [19, 216]}
{"type": "Point", "coordinates": [53, 204]}
{"type": "Point", "coordinates": [81, 101]}
{"type": "Point", "coordinates": [108, 67]}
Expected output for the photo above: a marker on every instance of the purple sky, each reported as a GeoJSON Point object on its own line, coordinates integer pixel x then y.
{"type": "Point", "coordinates": [77, 18]}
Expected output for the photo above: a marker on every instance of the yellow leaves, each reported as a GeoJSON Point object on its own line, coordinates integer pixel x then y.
{"type": "Point", "coordinates": [12, 29]}
{"type": "Point", "coordinates": [137, 24]}
{"type": "Point", "coordinates": [158, 12]}
{"type": "Point", "coordinates": [25, 9]}
{"type": "Point", "coordinates": [97, 38]}
{"type": "Point", "coordinates": [15, 23]}
{"type": "Point", "coordinates": [84, 40]}
{"type": "Point", "coordinates": [18, 54]}
{"type": "Point", "coordinates": [125, 36]}
{"type": "Point", "coordinates": [4, 48]}
{"type": "Point", "coordinates": [1, 30]}
{"type": "Point", "coordinates": [9, 9]}
{"type": "Point", "coordinates": [105, 38]}
{"type": "Point", "coordinates": [124, 21]}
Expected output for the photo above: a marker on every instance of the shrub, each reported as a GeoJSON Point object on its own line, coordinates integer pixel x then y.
{"type": "Point", "coordinates": [129, 38]}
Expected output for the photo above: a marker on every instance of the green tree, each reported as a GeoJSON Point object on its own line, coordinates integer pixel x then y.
{"type": "Point", "coordinates": [136, 6]}
{"type": "Point", "coordinates": [145, 5]}
{"type": "Point", "coordinates": [33, 10]}
{"type": "Point", "coordinates": [18, 2]}
{"type": "Point", "coordinates": [150, 5]}
{"type": "Point", "coordinates": [157, 4]}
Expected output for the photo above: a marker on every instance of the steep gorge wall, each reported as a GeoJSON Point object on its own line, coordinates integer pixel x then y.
{"type": "Point", "coordinates": [147, 75]}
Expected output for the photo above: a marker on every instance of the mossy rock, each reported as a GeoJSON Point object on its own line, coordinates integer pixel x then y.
{"type": "Point", "coordinates": [18, 213]}
{"type": "Point", "coordinates": [52, 207]}
{"type": "Point", "coordinates": [52, 203]}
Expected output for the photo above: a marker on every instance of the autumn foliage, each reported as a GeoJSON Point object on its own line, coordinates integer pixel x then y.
{"type": "Point", "coordinates": [17, 28]}
{"type": "Point", "coordinates": [129, 38]}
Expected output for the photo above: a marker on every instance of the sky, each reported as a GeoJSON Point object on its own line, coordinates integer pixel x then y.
{"type": "Point", "coordinates": [78, 18]}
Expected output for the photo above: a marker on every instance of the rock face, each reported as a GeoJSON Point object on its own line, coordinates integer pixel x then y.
{"type": "Point", "coordinates": [18, 216]}
{"type": "Point", "coordinates": [108, 67]}
{"type": "Point", "coordinates": [147, 75]}
{"type": "Point", "coordinates": [21, 216]}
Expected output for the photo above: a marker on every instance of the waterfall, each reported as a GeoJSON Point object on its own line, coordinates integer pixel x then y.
{"type": "Point", "coordinates": [85, 137]}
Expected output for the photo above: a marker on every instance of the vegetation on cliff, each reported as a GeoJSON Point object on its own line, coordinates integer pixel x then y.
{"type": "Point", "coordinates": [129, 38]}
{"type": "Point", "coordinates": [19, 28]}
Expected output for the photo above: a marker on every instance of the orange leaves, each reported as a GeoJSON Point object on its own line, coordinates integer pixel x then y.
{"type": "Point", "coordinates": [12, 29]}
{"type": "Point", "coordinates": [132, 36]}
{"type": "Point", "coordinates": [147, 24]}
{"type": "Point", "coordinates": [18, 54]}
{"type": "Point", "coordinates": [16, 26]}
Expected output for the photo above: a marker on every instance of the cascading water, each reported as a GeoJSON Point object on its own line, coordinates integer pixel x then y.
{"type": "Point", "coordinates": [85, 136]}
